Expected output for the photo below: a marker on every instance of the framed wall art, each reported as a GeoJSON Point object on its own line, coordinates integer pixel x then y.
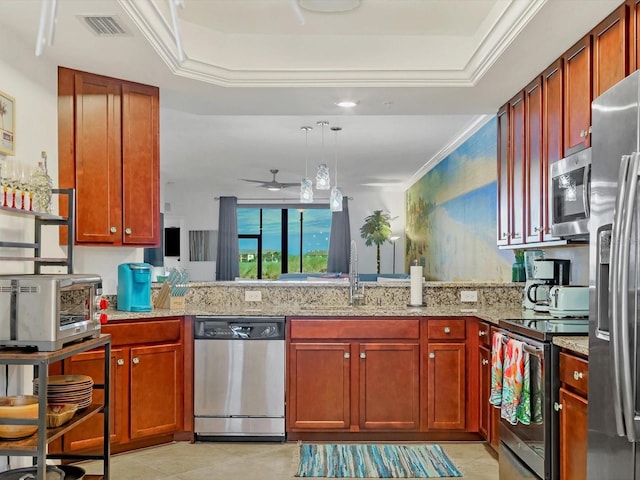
{"type": "Point", "coordinates": [7, 124]}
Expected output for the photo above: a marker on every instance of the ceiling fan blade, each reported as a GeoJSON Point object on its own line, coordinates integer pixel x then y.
{"type": "Point", "coordinates": [254, 181]}
{"type": "Point", "coordinates": [289, 184]}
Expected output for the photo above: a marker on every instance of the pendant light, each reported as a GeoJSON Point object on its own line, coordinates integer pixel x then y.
{"type": "Point", "coordinates": [323, 181]}
{"type": "Point", "coordinates": [306, 185]}
{"type": "Point", "coordinates": [335, 200]}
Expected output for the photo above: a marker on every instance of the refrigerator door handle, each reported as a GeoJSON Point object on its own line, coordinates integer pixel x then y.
{"type": "Point", "coordinates": [614, 277]}
{"type": "Point", "coordinates": [625, 357]}
{"type": "Point", "coordinates": [586, 190]}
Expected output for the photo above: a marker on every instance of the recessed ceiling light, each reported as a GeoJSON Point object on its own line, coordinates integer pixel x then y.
{"type": "Point", "coordinates": [347, 104]}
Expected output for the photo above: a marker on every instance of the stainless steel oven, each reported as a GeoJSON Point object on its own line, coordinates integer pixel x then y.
{"type": "Point", "coordinates": [570, 189]}
{"type": "Point", "coordinates": [532, 451]}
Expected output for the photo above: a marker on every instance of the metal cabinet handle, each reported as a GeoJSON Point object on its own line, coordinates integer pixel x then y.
{"type": "Point", "coordinates": [113, 229]}
{"type": "Point", "coordinates": [136, 360]}
{"type": "Point", "coordinates": [120, 361]}
{"type": "Point", "coordinates": [447, 330]}
{"type": "Point", "coordinates": [505, 234]}
{"type": "Point", "coordinates": [432, 355]}
{"type": "Point", "coordinates": [557, 406]}
{"type": "Point", "coordinates": [516, 235]}
{"type": "Point", "coordinates": [485, 361]}
{"type": "Point", "coordinates": [127, 231]}
{"type": "Point", "coordinates": [577, 375]}
{"type": "Point", "coordinates": [347, 355]}
{"type": "Point", "coordinates": [482, 333]}
{"type": "Point", "coordinates": [363, 355]}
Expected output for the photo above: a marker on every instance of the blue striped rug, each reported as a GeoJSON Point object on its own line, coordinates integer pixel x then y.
{"type": "Point", "coordinates": [374, 461]}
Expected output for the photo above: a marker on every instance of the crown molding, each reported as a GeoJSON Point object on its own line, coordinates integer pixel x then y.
{"type": "Point", "coordinates": [154, 25]}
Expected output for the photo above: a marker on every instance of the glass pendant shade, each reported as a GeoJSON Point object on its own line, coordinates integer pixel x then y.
{"type": "Point", "coordinates": [323, 181]}
{"type": "Point", "coordinates": [335, 200]}
{"type": "Point", "coordinates": [306, 191]}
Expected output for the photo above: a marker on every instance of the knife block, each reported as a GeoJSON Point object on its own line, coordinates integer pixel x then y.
{"type": "Point", "coordinates": [165, 300]}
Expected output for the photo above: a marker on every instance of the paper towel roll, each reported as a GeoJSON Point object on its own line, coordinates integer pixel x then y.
{"type": "Point", "coordinates": [416, 285]}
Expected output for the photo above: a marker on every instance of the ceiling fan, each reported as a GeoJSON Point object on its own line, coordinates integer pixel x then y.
{"type": "Point", "coordinates": [273, 185]}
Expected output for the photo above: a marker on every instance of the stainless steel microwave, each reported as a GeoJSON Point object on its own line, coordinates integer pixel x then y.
{"type": "Point", "coordinates": [569, 192]}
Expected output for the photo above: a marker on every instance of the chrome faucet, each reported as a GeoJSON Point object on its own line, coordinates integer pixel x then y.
{"type": "Point", "coordinates": [356, 293]}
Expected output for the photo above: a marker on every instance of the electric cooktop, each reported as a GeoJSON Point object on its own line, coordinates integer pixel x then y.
{"type": "Point", "coordinates": [545, 328]}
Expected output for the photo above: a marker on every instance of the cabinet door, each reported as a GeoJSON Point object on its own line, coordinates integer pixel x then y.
{"type": "Point", "coordinates": [389, 386]}
{"type": "Point", "coordinates": [611, 50]}
{"type": "Point", "coordinates": [517, 206]}
{"type": "Point", "coordinates": [140, 165]}
{"type": "Point", "coordinates": [485, 390]}
{"type": "Point", "coordinates": [577, 96]}
{"type": "Point", "coordinates": [446, 402]}
{"type": "Point", "coordinates": [552, 134]}
{"type": "Point", "coordinates": [97, 159]}
{"type": "Point", "coordinates": [534, 213]}
{"type": "Point", "coordinates": [504, 173]}
{"type": "Point", "coordinates": [318, 396]}
{"type": "Point", "coordinates": [573, 436]}
{"type": "Point", "coordinates": [156, 390]}
{"type": "Point", "coordinates": [88, 434]}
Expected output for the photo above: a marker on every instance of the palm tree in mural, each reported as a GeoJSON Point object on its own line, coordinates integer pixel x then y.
{"type": "Point", "coordinates": [376, 230]}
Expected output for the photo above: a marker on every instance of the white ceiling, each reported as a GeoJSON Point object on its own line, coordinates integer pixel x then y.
{"type": "Point", "coordinates": [422, 71]}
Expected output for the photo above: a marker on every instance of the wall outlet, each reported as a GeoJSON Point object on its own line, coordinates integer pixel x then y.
{"type": "Point", "coordinates": [252, 296]}
{"type": "Point", "coordinates": [468, 295]}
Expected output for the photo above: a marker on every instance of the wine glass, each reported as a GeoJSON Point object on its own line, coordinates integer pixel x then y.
{"type": "Point", "coordinates": [26, 186]}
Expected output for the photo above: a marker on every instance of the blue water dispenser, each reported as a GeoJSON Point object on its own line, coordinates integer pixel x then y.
{"type": "Point", "coordinates": [134, 287]}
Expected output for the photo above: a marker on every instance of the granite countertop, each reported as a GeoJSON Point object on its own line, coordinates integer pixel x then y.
{"type": "Point", "coordinates": [575, 344]}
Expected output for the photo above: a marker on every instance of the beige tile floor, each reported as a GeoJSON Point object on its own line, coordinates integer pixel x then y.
{"type": "Point", "coordinates": [259, 461]}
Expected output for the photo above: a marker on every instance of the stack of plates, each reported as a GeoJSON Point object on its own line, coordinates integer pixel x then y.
{"type": "Point", "coordinates": [68, 389]}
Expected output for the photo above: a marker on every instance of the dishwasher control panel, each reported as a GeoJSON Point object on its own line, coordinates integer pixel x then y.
{"type": "Point", "coordinates": [239, 328]}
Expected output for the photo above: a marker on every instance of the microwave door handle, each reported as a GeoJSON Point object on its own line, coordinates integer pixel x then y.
{"type": "Point", "coordinates": [614, 307]}
{"type": "Point", "coordinates": [624, 351]}
{"type": "Point", "coordinates": [586, 188]}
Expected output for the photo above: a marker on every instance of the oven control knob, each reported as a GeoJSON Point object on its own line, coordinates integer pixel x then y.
{"type": "Point", "coordinates": [101, 318]}
{"type": "Point", "coordinates": [102, 303]}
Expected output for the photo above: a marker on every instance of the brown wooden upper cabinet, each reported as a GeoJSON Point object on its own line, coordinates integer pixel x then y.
{"type": "Point", "coordinates": [108, 142]}
{"type": "Point", "coordinates": [552, 134]}
{"type": "Point", "coordinates": [503, 176]}
{"type": "Point", "coordinates": [611, 57]}
{"type": "Point", "coordinates": [577, 96]}
{"type": "Point", "coordinates": [534, 213]}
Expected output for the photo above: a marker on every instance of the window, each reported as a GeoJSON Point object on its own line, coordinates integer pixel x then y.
{"type": "Point", "coordinates": [267, 236]}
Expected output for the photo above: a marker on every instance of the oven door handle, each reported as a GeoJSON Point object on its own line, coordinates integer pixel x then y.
{"type": "Point", "coordinates": [614, 307]}
{"type": "Point", "coordinates": [625, 357]}
{"type": "Point", "coordinates": [538, 352]}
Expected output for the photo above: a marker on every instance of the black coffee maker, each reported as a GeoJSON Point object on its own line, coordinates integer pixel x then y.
{"type": "Point", "coordinates": [549, 272]}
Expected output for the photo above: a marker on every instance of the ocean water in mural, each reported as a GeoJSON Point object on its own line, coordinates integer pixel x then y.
{"type": "Point", "coordinates": [451, 215]}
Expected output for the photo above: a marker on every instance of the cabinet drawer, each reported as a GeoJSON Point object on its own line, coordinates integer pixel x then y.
{"type": "Point", "coordinates": [574, 372]}
{"type": "Point", "coordinates": [144, 332]}
{"type": "Point", "coordinates": [451, 329]}
{"type": "Point", "coordinates": [355, 329]}
{"type": "Point", "coordinates": [483, 334]}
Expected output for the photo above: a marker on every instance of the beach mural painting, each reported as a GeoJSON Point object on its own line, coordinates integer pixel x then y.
{"type": "Point", "coordinates": [451, 215]}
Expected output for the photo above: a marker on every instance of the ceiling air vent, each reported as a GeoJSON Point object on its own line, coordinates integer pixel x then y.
{"type": "Point", "coordinates": [105, 26]}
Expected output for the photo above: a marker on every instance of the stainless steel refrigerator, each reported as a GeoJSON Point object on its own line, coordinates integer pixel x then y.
{"type": "Point", "coordinates": [614, 281]}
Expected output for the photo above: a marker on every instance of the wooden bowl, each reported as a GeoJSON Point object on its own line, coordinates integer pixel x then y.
{"type": "Point", "coordinates": [18, 406]}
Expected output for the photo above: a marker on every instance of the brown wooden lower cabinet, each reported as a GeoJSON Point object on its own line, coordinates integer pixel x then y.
{"type": "Point", "coordinates": [355, 375]}
{"type": "Point", "coordinates": [147, 384]}
{"type": "Point", "coordinates": [573, 373]}
{"type": "Point", "coordinates": [573, 436]}
{"type": "Point", "coordinates": [484, 420]}
{"type": "Point", "coordinates": [446, 403]}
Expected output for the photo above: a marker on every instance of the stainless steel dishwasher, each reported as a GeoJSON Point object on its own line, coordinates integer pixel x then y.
{"type": "Point", "coordinates": [239, 375]}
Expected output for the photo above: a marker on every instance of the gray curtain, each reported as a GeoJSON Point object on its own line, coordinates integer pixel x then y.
{"type": "Point", "coordinates": [227, 260]}
{"type": "Point", "coordinates": [339, 240]}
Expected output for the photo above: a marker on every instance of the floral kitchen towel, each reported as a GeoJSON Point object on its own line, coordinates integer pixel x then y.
{"type": "Point", "coordinates": [523, 410]}
{"type": "Point", "coordinates": [512, 379]}
{"type": "Point", "coordinates": [497, 357]}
